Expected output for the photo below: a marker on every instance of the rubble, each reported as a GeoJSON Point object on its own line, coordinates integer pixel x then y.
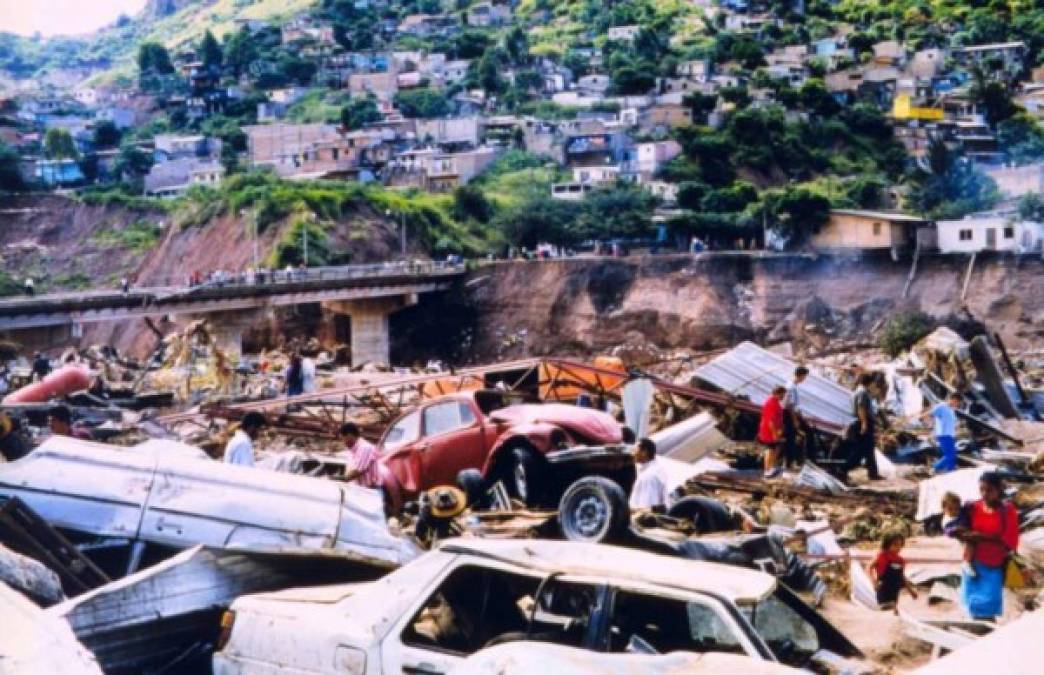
{"type": "Point", "coordinates": [295, 525]}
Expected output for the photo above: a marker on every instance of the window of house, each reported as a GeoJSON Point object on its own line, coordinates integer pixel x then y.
{"type": "Point", "coordinates": [964, 235]}
{"type": "Point", "coordinates": [336, 153]}
{"type": "Point", "coordinates": [1009, 232]}
{"type": "Point", "coordinates": [877, 229]}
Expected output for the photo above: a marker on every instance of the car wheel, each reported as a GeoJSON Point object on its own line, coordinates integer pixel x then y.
{"type": "Point", "coordinates": [593, 509]}
{"type": "Point", "coordinates": [525, 478]}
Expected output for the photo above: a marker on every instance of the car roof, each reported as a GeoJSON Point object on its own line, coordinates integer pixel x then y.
{"type": "Point", "coordinates": [737, 584]}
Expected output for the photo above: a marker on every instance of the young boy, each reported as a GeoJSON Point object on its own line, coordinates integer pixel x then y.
{"type": "Point", "coordinates": [888, 572]}
{"type": "Point", "coordinates": [955, 520]}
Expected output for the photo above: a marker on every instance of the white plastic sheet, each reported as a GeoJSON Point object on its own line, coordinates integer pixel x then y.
{"type": "Point", "coordinates": [637, 398]}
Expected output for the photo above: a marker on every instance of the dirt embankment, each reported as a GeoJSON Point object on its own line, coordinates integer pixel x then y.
{"type": "Point", "coordinates": [586, 306]}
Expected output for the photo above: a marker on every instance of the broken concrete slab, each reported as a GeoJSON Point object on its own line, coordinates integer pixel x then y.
{"type": "Point", "coordinates": [690, 439]}
{"type": "Point", "coordinates": [30, 578]}
{"type": "Point", "coordinates": [1013, 649]}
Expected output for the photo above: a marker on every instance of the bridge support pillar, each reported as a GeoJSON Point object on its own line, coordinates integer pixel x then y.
{"type": "Point", "coordinates": [371, 340]}
{"type": "Point", "coordinates": [227, 328]}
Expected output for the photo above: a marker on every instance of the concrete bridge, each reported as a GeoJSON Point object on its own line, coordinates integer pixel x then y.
{"type": "Point", "coordinates": [368, 294]}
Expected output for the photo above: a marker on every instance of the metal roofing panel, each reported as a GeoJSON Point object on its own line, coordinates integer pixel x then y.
{"type": "Point", "coordinates": [748, 370]}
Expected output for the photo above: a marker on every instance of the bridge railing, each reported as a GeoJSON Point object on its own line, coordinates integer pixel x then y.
{"type": "Point", "coordinates": [221, 279]}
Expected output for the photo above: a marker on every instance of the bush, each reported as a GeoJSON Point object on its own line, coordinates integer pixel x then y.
{"type": "Point", "coordinates": [903, 330]}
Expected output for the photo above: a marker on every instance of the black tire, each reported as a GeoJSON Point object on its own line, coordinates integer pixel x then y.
{"type": "Point", "coordinates": [707, 514]}
{"type": "Point", "coordinates": [473, 485]}
{"type": "Point", "coordinates": [525, 475]}
{"type": "Point", "coordinates": [593, 510]}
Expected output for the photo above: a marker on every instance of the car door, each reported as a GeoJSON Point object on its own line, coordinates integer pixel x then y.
{"type": "Point", "coordinates": [453, 440]}
{"type": "Point", "coordinates": [452, 618]}
{"type": "Point", "coordinates": [401, 451]}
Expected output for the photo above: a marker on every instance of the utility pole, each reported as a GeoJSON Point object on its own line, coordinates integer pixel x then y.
{"type": "Point", "coordinates": [304, 237]}
{"type": "Point", "coordinates": [253, 231]}
{"type": "Point", "coordinates": [402, 234]}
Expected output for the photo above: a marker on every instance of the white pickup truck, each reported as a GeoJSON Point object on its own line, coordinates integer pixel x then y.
{"type": "Point", "coordinates": [472, 594]}
{"type": "Point", "coordinates": [163, 495]}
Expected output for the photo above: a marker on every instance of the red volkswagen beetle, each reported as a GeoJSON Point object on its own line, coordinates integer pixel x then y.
{"type": "Point", "coordinates": [431, 444]}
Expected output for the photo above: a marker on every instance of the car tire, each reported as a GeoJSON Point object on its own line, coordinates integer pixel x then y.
{"type": "Point", "coordinates": [473, 485]}
{"type": "Point", "coordinates": [593, 509]}
{"type": "Point", "coordinates": [707, 514]}
{"type": "Point", "coordinates": [525, 479]}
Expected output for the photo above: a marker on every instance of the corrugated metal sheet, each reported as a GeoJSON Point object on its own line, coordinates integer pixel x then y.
{"type": "Point", "coordinates": [748, 370]}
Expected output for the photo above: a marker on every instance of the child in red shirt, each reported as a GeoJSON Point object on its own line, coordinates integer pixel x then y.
{"type": "Point", "coordinates": [888, 572]}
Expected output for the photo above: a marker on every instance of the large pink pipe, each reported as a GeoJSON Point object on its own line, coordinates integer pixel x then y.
{"type": "Point", "coordinates": [64, 381]}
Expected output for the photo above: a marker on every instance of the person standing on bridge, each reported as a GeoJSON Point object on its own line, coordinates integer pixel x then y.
{"type": "Point", "coordinates": [30, 287]}
{"type": "Point", "coordinates": [125, 285]}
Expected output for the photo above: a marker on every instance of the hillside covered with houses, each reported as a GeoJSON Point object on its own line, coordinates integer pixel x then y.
{"type": "Point", "coordinates": [488, 126]}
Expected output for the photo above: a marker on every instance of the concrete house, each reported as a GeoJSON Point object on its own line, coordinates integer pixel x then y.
{"type": "Point", "coordinates": [623, 33]}
{"type": "Point", "coordinates": [977, 233]}
{"type": "Point", "coordinates": [384, 85]}
{"type": "Point", "coordinates": [169, 147]}
{"type": "Point", "coordinates": [169, 179]}
{"type": "Point", "coordinates": [450, 131]}
{"type": "Point", "coordinates": [485, 14]}
{"type": "Point", "coordinates": [858, 230]}
{"type": "Point", "coordinates": [1010, 54]}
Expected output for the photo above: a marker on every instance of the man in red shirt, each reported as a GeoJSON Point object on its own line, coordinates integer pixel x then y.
{"type": "Point", "coordinates": [770, 430]}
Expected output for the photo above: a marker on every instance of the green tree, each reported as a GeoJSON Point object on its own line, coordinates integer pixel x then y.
{"type": "Point", "coordinates": [1021, 138]}
{"type": "Point", "coordinates": [620, 211]}
{"type": "Point", "coordinates": [951, 187]}
{"type": "Point", "coordinates": [241, 50]}
{"type": "Point", "coordinates": [993, 97]}
{"type": "Point", "coordinates": [816, 99]}
{"type": "Point", "coordinates": [630, 80]}
{"type": "Point", "coordinates": [133, 163]}
{"type": "Point", "coordinates": [59, 144]}
{"type": "Point", "coordinates": [691, 193]}
{"type": "Point", "coordinates": [1031, 207]}
{"type": "Point", "coordinates": [539, 218]}
{"type": "Point", "coordinates": [730, 199]}
{"type": "Point", "coordinates": [700, 104]}
{"type": "Point", "coordinates": [487, 70]}
{"type": "Point", "coordinates": [210, 52]}
{"type": "Point", "coordinates": [106, 134]}
{"type": "Point", "coordinates": [153, 58]}
{"type": "Point", "coordinates": [795, 214]}
{"type": "Point", "coordinates": [360, 112]}
{"type": "Point", "coordinates": [470, 202]}
{"type": "Point", "coordinates": [423, 103]}
{"type": "Point", "coordinates": [10, 176]}
{"type": "Point", "coordinates": [516, 45]}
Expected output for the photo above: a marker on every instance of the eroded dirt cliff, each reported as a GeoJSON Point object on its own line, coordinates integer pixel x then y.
{"type": "Point", "coordinates": [586, 306]}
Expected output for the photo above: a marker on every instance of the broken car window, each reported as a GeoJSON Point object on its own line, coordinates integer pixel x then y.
{"type": "Point", "coordinates": [790, 637]}
{"type": "Point", "coordinates": [669, 625]}
{"type": "Point", "coordinates": [478, 607]}
{"type": "Point", "coordinates": [405, 431]}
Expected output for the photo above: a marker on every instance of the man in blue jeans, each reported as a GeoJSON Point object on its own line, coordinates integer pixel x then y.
{"type": "Point", "coordinates": [945, 416]}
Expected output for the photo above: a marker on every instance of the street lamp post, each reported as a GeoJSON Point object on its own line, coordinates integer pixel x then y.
{"type": "Point", "coordinates": [402, 230]}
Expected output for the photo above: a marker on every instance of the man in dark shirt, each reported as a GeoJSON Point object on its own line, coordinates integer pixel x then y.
{"type": "Point", "coordinates": [861, 439]}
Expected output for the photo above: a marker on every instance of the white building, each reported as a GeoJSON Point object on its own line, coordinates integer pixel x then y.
{"type": "Point", "coordinates": [989, 233]}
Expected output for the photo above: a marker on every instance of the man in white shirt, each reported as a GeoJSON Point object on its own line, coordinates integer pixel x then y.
{"type": "Point", "coordinates": [307, 375]}
{"type": "Point", "coordinates": [240, 448]}
{"type": "Point", "coordinates": [650, 487]}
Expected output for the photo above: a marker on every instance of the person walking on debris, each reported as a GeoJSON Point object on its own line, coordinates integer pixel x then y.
{"type": "Point", "coordinates": [770, 430]}
{"type": "Point", "coordinates": [240, 448]}
{"type": "Point", "coordinates": [307, 374]}
{"type": "Point", "coordinates": [362, 455]}
{"type": "Point", "coordinates": [41, 366]}
{"type": "Point", "coordinates": [294, 376]}
{"type": "Point", "coordinates": [650, 487]}
{"type": "Point", "coordinates": [994, 530]}
{"type": "Point", "coordinates": [795, 430]}
{"type": "Point", "coordinates": [945, 415]}
{"type": "Point", "coordinates": [888, 572]}
{"type": "Point", "coordinates": [860, 434]}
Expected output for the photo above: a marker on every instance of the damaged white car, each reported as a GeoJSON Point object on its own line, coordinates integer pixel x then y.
{"type": "Point", "coordinates": [471, 594]}
{"type": "Point", "coordinates": [117, 500]}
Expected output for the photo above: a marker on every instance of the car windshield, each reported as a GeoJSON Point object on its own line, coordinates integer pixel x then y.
{"type": "Point", "coordinates": [402, 432]}
{"type": "Point", "coordinates": [790, 636]}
